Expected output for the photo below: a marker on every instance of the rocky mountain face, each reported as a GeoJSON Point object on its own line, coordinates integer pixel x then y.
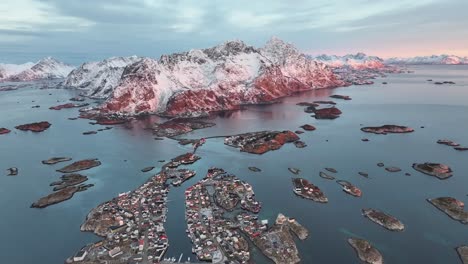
{"type": "Point", "coordinates": [98, 79]}
{"type": "Point", "coordinates": [224, 77]}
{"type": "Point", "coordinates": [47, 68]}
{"type": "Point", "coordinates": [428, 60]}
{"type": "Point", "coordinates": [359, 61]}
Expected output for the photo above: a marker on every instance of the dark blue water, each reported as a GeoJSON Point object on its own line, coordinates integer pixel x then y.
{"type": "Point", "coordinates": [50, 235]}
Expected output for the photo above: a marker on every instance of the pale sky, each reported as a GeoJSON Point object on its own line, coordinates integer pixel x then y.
{"type": "Point", "coordinates": [77, 31]}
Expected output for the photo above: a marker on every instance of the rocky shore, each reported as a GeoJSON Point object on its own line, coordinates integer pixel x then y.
{"type": "Point", "coordinates": [452, 207]}
{"type": "Point", "coordinates": [385, 220]}
{"type": "Point", "coordinates": [463, 254]}
{"type": "Point", "coordinates": [386, 129]}
{"type": "Point", "coordinates": [305, 189]}
{"type": "Point", "coordinates": [365, 251]}
{"type": "Point", "coordinates": [438, 170]}
{"type": "Point", "coordinates": [80, 165]}
{"type": "Point", "coordinates": [261, 142]}
{"type": "Point", "coordinates": [34, 127]}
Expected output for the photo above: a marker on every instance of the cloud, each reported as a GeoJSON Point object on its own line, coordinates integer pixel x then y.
{"type": "Point", "coordinates": [152, 27]}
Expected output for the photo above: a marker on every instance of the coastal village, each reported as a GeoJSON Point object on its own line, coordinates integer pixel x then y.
{"type": "Point", "coordinates": [223, 216]}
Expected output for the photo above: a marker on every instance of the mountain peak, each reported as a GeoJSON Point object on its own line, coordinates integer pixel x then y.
{"type": "Point", "coordinates": [277, 50]}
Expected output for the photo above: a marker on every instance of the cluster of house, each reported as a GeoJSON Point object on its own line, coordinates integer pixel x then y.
{"type": "Point", "coordinates": [217, 238]}
{"type": "Point", "coordinates": [230, 188]}
{"type": "Point", "coordinates": [178, 176]}
{"type": "Point", "coordinates": [184, 159]}
{"type": "Point", "coordinates": [133, 224]}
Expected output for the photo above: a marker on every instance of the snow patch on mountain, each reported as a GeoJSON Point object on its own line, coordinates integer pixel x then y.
{"type": "Point", "coordinates": [98, 79]}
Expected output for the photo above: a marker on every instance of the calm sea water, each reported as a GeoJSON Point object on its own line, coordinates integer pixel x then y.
{"type": "Point", "coordinates": [52, 234]}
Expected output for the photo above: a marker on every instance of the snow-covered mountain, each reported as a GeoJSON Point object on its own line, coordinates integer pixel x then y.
{"type": "Point", "coordinates": [426, 60]}
{"type": "Point", "coordinates": [47, 68]}
{"type": "Point", "coordinates": [98, 79]}
{"type": "Point", "coordinates": [7, 70]}
{"type": "Point", "coordinates": [359, 61]}
{"type": "Point", "coordinates": [220, 78]}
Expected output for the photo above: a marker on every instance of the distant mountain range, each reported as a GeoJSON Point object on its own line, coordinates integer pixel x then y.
{"type": "Point", "coordinates": [428, 60]}
{"type": "Point", "coordinates": [47, 68]}
{"type": "Point", "coordinates": [354, 61]}
{"type": "Point", "coordinates": [199, 81]}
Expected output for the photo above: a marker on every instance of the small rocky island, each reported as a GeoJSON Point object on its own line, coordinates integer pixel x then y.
{"type": "Point", "coordinates": [60, 196]}
{"type": "Point", "coordinates": [261, 142]}
{"type": "Point", "coordinates": [80, 165]}
{"type": "Point", "coordinates": [68, 180]}
{"type": "Point", "coordinates": [308, 127]}
{"type": "Point", "coordinates": [326, 176]}
{"type": "Point", "coordinates": [438, 170]}
{"type": "Point", "coordinates": [177, 127]}
{"type": "Point", "coordinates": [34, 127]}
{"type": "Point", "coordinates": [277, 243]}
{"type": "Point", "coordinates": [66, 106]}
{"type": "Point", "coordinates": [385, 220]}
{"type": "Point", "coordinates": [305, 189]}
{"type": "Point", "coordinates": [184, 159]}
{"type": "Point", "coordinates": [386, 129]}
{"type": "Point", "coordinates": [343, 97]}
{"type": "Point", "coordinates": [254, 169]}
{"type": "Point", "coordinates": [366, 252]}
{"type": "Point", "coordinates": [327, 113]}
{"type": "Point", "coordinates": [147, 169]}
{"type": "Point", "coordinates": [393, 169]}
{"type": "Point", "coordinates": [448, 142]}
{"type": "Point", "coordinates": [349, 188]}
{"type": "Point", "coordinates": [4, 131]}
{"type": "Point", "coordinates": [452, 207]}
{"type": "Point", "coordinates": [294, 170]}
{"type": "Point", "coordinates": [56, 160]}
{"type": "Point", "coordinates": [12, 171]}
